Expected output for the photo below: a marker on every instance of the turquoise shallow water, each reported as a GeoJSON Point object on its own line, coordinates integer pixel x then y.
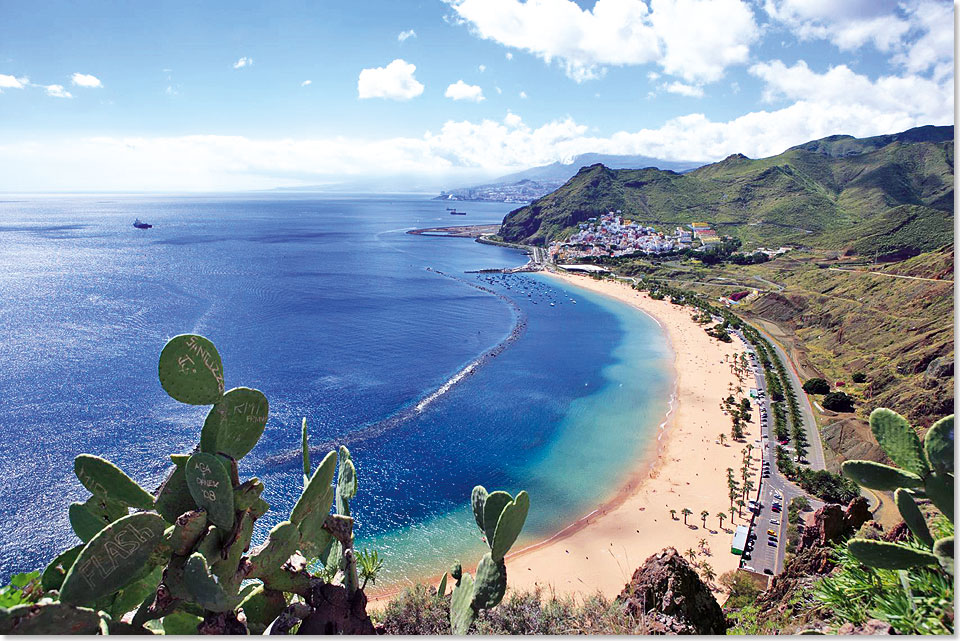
{"type": "Point", "coordinates": [327, 306]}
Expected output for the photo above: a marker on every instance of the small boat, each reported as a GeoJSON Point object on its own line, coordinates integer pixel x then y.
{"type": "Point", "coordinates": [454, 212]}
{"type": "Point", "coordinates": [141, 225]}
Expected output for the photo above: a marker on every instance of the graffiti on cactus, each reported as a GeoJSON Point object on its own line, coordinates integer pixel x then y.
{"type": "Point", "coordinates": [205, 356]}
{"type": "Point", "coordinates": [204, 482]}
{"type": "Point", "coordinates": [124, 543]}
{"type": "Point", "coordinates": [91, 483]}
{"type": "Point", "coordinates": [253, 411]}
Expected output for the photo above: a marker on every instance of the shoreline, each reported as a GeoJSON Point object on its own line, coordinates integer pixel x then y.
{"type": "Point", "coordinates": [615, 529]}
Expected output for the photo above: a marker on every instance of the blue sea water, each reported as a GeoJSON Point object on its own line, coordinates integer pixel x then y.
{"type": "Point", "coordinates": [328, 307]}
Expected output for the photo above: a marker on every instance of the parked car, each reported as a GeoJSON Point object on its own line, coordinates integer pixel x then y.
{"type": "Point", "coordinates": [768, 571]}
{"type": "Point", "coordinates": [772, 533]}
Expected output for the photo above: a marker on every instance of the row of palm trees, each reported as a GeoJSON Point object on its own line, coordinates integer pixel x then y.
{"type": "Point", "coordinates": [704, 515]}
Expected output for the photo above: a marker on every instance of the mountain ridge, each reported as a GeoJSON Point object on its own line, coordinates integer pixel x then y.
{"type": "Point", "coordinates": [890, 194]}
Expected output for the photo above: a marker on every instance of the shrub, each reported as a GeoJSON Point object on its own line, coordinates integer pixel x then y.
{"type": "Point", "coordinates": [858, 377]}
{"type": "Point", "coordinates": [417, 610]}
{"type": "Point", "coordinates": [838, 402]}
{"type": "Point", "coordinates": [816, 386]}
{"type": "Point", "coordinates": [832, 488]}
{"type": "Point", "coordinates": [742, 587]}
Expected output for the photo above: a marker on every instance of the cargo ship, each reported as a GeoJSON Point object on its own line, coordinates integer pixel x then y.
{"type": "Point", "coordinates": [454, 212]}
{"type": "Point", "coordinates": [141, 225]}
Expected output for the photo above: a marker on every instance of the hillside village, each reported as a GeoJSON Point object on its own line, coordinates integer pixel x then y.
{"type": "Point", "coordinates": [612, 235]}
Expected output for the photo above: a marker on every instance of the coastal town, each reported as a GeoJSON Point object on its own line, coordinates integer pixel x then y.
{"type": "Point", "coordinates": [613, 235]}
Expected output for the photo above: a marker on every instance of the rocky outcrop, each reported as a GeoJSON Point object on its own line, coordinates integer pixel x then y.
{"type": "Point", "coordinates": [873, 626]}
{"type": "Point", "coordinates": [669, 596]}
{"type": "Point", "coordinates": [832, 522]}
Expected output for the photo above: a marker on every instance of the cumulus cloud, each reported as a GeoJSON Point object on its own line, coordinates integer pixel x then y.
{"type": "Point", "coordinates": [85, 80]}
{"type": "Point", "coordinates": [243, 62]}
{"type": "Point", "coordinates": [393, 82]}
{"type": "Point", "coordinates": [512, 119]}
{"type": "Point", "coordinates": [897, 98]}
{"type": "Point", "coordinates": [482, 68]}
{"type": "Point", "coordinates": [403, 35]}
{"type": "Point", "coordinates": [306, 83]}
{"type": "Point", "coordinates": [57, 91]}
{"type": "Point", "coordinates": [462, 91]}
{"type": "Point", "coordinates": [679, 35]}
{"type": "Point", "coordinates": [12, 82]}
{"type": "Point", "coordinates": [683, 89]}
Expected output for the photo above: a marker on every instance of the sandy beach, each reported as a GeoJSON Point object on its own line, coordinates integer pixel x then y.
{"type": "Point", "coordinates": [687, 470]}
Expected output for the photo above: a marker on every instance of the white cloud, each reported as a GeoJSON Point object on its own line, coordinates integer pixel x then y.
{"type": "Point", "coordinates": [680, 35]}
{"type": "Point", "coordinates": [512, 119]}
{"type": "Point", "coordinates": [403, 35]}
{"type": "Point", "coordinates": [682, 89]}
{"type": "Point", "coordinates": [523, 94]}
{"type": "Point", "coordinates": [85, 80]}
{"type": "Point", "coordinates": [57, 91]}
{"type": "Point", "coordinates": [933, 47]}
{"type": "Point", "coordinates": [462, 91]}
{"type": "Point", "coordinates": [395, 82]}
{"type": "Point", "coordinates": [170, 91]}
{"type": "Point", "coordinates": [895, 98]}
{"type": "Point", "coordinates": [508, 55]}
{"type": "Point", "coordinates": [306, 83]}
{"type": "Point", "coordinates": [652, 76]}
{"type": "Point", "coordinates": [243, 62]}
{"type": "Point", "coordinates": [482, 68]}
{"type": "Point", "coordinates": [12, 82]}
{"type": "Point", "coordinates": [848, 24]}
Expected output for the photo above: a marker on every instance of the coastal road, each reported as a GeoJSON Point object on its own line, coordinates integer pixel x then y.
{"type": "Point", "coordinates": [815, 456]}
{"type": "Point", "coordinates": [774, 490]}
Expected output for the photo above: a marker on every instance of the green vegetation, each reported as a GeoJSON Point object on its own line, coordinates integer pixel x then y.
{"type": "Point", "coordinates": [500, 518]}
{"type": "Point", "coordinates": [858, 377]}
{"type": "Point", "coordinates": [838, 402]}
{"type": "Point", "coordinates": [816, 386]}
{"type": "Point", "coordinates": [182, 562]}
{"type": "Point", "coordinates": [894, 200]}
{"type": "Point", "coordinates": [420, 610]}
{"type": "Point", "coordinates": [928, 466]}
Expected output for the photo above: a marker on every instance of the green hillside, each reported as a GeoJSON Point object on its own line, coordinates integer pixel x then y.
{"type": "Point", "coordinates": [891, 195]}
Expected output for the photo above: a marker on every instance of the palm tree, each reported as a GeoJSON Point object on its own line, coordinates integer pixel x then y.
{"type": "Point", "coordinates": [685, 512]}
{"type": "Point", "coordinates": [721, 516]}
{"type": "Point", "coordinates": [703, 515]}
{"type": "Point", "coordinates": [673, 515]}
{"type": "Point", "coordinates": [707, 572]}
{"type": "Point", "coordinates": [732, 511]}
{"type": "Point", "coordinates": [740, 505]}
{"type": "Point", "coordinates": [691, 554]}
{"type": "Point", "coordinates": [723, 437]}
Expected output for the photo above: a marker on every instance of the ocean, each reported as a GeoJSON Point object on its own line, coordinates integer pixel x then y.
{"type": "Point", "coordinates": [337, 315]}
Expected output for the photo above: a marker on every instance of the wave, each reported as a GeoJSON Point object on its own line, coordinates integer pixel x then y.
{"type": "Point", "coordinates": [404, 414]}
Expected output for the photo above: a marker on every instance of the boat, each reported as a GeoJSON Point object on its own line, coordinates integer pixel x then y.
{"type": "Point", "coordinates": [454, 212]}
{"type": "Point", "coordinates": [141, 225]}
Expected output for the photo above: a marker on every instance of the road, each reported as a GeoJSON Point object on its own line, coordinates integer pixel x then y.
{"type": "Point", "coordinates": [763, 557]}
{"type": "Point", "coordinates": [860, 271]}
{"type": "Point", "coordinates": [815, 445]}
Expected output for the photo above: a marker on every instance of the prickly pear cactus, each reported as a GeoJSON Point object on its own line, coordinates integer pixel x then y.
{"type": "Point", "coordinates": [182, 558]}
{"type": "Point", "coordinates": [926, 469]}
{"type": "Point", "coordinates": [500, 518]}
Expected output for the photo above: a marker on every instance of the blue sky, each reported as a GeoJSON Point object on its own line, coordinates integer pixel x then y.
{"type": "Point", "coordinates": [211, 96]}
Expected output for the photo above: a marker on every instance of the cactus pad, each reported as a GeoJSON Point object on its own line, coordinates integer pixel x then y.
{"type": "Point", "coordinates": [898, 440]}
{"type": "Point", "coordinates": [54, 574]}
{"type": "Point", "coordinates": [306, 452]}
{"type": "Point", "coordinates": [204, 587]}
{"type": "Point", "coordinates": [280, 544]}
{"type": "Point", "coordinates": [939, 490]}
{"type": "Point", "coordinates": [943, 550]}
{"type": "Point", "coordinates": [511, 521]}
{"type": "Point", "coordinates": [235, 423]}
{"type": "Point", "coordinates": [912, 516]}
{"type": "Point", "coordinates": [211, 489]}
{"type": "Point", "coordinates": [318, 492]}
{"type": "Point", "coordinates": [181, 623]}
{"type": "Point", "coordinates": [262, 606]}
{"type": "Point", "coordinates": [938, 444]}
{"type": "Point", "coordinates": [889, 556]}
{"type": "Point", "coordinates": [188, 529]}
{"type": "Point", "coordinates": [191, 371]}
{"type": "Point", "coordinates": [113, 558]}
{"type": "Point", "coordinates": [84, 522]}
{"type": "Point", "coordinates": [477, 499]}
{"type": "Point", "coordinates": [492, 508]}
{"type": "Point", "coordinates": [442, 588]}
{"type": "Point", "coordinates": [105, 479]}
{"type": "Point", "coordinates": [462, 613]}
{"type": "Point", "coordinates": [490, 584]}
{"type": "Point", "coordinates": [174, 498]}
{"type": "Point", "coordinates": [877, 476]}
{"type": "Point", "coordinates": [51, 619]}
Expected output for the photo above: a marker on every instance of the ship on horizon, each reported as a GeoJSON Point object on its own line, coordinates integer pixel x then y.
{"type": "Point", "coordinates": [139, 224]}
{"type": "Point", "coordinates": [454, 212]}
